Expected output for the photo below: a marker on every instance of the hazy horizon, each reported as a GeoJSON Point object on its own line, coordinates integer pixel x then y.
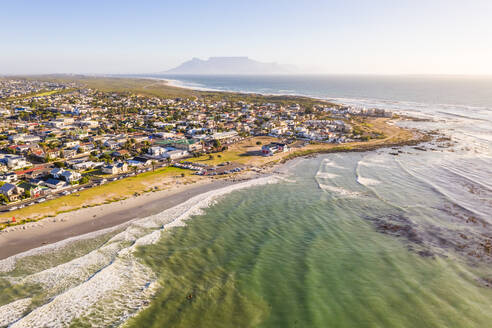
{"type": "Point", "coordinates": [321, 37]}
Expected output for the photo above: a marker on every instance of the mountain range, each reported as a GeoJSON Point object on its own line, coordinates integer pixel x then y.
{"type": "Point", "coordinates": [230, 65]}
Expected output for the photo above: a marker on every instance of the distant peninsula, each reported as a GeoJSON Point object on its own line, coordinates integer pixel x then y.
{"type": "Point", "coordinates": [230, 66]}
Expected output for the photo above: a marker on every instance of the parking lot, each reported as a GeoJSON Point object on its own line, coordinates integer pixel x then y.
{"type": "Point", "coordinates": [203, 169]}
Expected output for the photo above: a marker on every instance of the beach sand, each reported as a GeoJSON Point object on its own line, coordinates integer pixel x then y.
{"type": "Point", "coordinates": [18, 239]}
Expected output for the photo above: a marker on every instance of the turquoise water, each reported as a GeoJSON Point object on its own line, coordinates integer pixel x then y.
{"type": "Point", "coordinates": [342, 240]}
{"type": "Point", "coordinates": [296, 254]}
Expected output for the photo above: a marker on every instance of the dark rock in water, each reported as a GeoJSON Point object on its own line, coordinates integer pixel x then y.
{"type": "Point", "coordinates": [400, 226]}
{"type": "Point", "coordinates": [425, 253]}
{"type": "Point", "coordinates": [475, 247]}
{"type": "Point", "coordinates": [486, 281]}
{"type": "Point", "coordinates": [396, 225]}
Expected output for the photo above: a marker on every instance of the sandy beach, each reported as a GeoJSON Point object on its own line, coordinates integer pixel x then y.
{"type": "Point", "coordinates": [18, 239]}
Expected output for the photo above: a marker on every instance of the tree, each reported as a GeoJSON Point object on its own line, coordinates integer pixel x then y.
{"type": "Point", "coordinates": [84, 180]}
{"type": "Point", "coordinates": [258, 143]}
{"type": "Point", "coordinates": [217, 144]}
{"type": "Point", "coordinates": [27, 193]}
{"type": "Point", "coordinates": [4, 199]}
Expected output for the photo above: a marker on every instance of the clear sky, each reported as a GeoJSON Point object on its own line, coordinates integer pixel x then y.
{"type": "Point", "coordinates": [329, 36]}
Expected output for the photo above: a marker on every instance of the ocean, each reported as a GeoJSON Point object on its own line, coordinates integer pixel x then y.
{"type": "Point", "coordinates": [367, 239]}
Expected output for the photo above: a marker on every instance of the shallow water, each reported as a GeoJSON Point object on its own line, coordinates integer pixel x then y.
{"type": "Point", "coordinates": [301, 255]}
{"type": "Point", "coordinates": [342, 240]}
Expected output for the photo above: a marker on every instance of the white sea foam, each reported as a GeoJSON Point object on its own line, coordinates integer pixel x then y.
{"type": "Point", "coordinates": [286, 179]}
{"type": "Point", "coordinates": [374, 161]}
{"type": "Point", "coordinates": [326, 175]}
{"type": "Point", "coordinates": [367, 181]}
{"type": "Point", "coordinates": [8, 264]}
{"type": "Point", "coordinates": [330, 163]}
{"type": "Point", "coordinates": [339, 190]}
{"type": "Point", "coordinates": [109, 284]}
{"type": "Point", "coordinates": [13, 311]}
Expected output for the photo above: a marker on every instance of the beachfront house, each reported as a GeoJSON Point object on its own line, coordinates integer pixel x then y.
{"type": "Point", "coordinates": [272, 148]}
{"type": "Point", "coordinates": [85, 165]}
{"type": "Point", "coordinates": [176, 154]}
{"type": "Point", "coordinates": [62, 174]}
{"type": "Point", "coordinates": [55, 184]}
{"type": "Point", "coordinates": [144, 161]}
{"type": "Point", "coordinates": [11, 191]}
{"type": "Point", "coordinates": [115, 168]}
{"type": "Point", "coordinates": [71, 176]}
{"type": "Point", "coordinates": [34, 189]}
{"type": "Point", "coordinates": [157, 151]}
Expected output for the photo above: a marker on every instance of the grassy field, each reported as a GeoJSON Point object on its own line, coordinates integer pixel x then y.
{"type": "Point", "coordinates": [114, 190]}
{"type": "Point", "coordinates": [41, 94]}
{"type": "Point", "coordinates": [393, 136]}
{"type": "Point", "coordinates": [248, 152]}
{"type": "Point", "coordinates": [244, 152]}
{"type": "Point", "coordinates": [159, 88]}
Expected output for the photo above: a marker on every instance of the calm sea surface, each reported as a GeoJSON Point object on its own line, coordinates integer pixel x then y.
{"type": "Point", "coordinates": [340, 240]}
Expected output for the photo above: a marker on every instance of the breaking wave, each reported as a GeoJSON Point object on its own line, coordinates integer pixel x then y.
{"type": "Point", "coordinates": [110, 284]}
{"type": "Point", "coordinates": [339, 190]}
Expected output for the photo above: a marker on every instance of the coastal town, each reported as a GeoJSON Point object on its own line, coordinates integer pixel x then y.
{"type": "Point", "coordinates": [59, 138]}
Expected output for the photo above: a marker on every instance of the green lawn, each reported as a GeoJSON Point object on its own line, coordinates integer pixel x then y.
{"type": "Point", "coordinates": [108, 192]}
{"type": "Point", "coordinates": [41, 94]}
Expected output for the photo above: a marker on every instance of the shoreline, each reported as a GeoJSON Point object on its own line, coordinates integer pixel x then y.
{"type": "Point", "coordinates": [341, 101]}
{"type": "Point", "coordinates": [82, 282]}
{"type": "Point", "coordinates": [172, 83]}
{"type": "Point", "coordinates": [16, 240]}
{"type": "Point", "coordinates": [23, 238]}
{"type": "Point", "coordinates": [19, 239]}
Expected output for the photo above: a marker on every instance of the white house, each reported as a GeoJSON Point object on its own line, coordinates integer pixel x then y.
{"type": "Point", "coordinates": [55, 184]}
{"type": "Point", "coordinates": [157, 151]}
{"type": "Point", "coordinates": [70, 176]}
{"type": "Point", "coordinates": [17, 162]}
{"type": "Point", "coordinates": [274, 147]}
{"type": "Point", "coordinates": [115, 169]}
{"type": "Point", "coordinates": [9, 177]}
{"type": "Point", "coordinates": [57, 172]}
{"type": "Point", "coordinates": [85, 165]}
{"type": "Point", "coordinates": [176, 154]}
